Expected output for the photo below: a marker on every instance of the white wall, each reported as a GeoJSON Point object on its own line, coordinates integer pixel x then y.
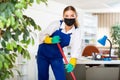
{"type": "Point", "coordinates": [42, 15]}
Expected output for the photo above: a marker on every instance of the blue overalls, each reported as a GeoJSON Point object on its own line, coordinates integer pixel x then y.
{"type": "Point", "coordinates": [49, 54]}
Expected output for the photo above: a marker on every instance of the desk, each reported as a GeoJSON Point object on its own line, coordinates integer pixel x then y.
{"type": "Point", "coordinates": [85, 60]}
{"type": "Point", "coordinates": [80, 70]}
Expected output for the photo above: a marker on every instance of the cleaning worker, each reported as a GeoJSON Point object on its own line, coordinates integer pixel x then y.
{"type": "Point", "coordinates": [66, 33]}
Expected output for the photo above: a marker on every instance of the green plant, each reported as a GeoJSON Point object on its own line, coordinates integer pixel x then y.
{"type": "Point", "coordinates": [115, 35]}
{"type": "Point", "coordinates": [15, 30]}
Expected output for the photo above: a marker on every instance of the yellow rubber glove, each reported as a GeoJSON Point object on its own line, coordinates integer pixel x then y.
{"type": "Point", "coordinates": [73, 61]}
{"type": "Point", "coordinates": [70, 67]}
{"type": "Point", "coordinates": [48, 40]}
{"type": "Point", "coordinates": [52, 40]}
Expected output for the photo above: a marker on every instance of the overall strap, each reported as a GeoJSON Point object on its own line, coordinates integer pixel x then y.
{"type": "Point", "coordinates": [61, 21]}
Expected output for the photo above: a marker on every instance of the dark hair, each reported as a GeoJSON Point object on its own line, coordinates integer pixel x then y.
{"type": "Point", "coordinates": [73, 9]}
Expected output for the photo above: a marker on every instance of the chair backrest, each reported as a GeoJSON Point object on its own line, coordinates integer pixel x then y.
{"type": "Point", "coordinates": [89, 49]}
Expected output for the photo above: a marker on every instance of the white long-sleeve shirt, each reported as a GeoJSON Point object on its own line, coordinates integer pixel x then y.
{"type": "Point", "coordinates": [75, 41]}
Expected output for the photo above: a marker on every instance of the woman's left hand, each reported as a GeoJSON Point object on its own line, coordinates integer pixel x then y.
{"type": "Point", "coordinates": [70, 67]}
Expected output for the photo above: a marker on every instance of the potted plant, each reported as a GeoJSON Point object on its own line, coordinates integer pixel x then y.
{"type": "Point", "coordinates": [115, 35]}
{"type": "Point", "coordinates": [15, 30]}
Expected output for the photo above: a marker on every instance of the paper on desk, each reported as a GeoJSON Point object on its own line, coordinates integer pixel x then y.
{"type": "Point", "coordinates": [88, 58]}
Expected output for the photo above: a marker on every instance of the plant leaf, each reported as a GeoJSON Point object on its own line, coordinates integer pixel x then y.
{"type": "Point", "coordinates": [1, 65]}
{"type": "Point", "coordinates": [13, 43]}
{"type": "Point", "coordinates": [8, 23]}
{"type": "Point", "coordinates": [33, 42]}
{"type": "Point", "coordinates": [9, 46]}
{"type": "Point", "coordinates": [18, 13]}
{"type": "Point", "coordinates": [6, 65]}
{"type": "Point", "coordinates": [2, 58]}
{"type": "Point", "coordinates": [38, 1]}
{"type": "Point", "coordinates": [3, 43]}
{"type": "Point", "coordinates": [19, 48]}
{"type": "Point", "coordinates": [19, 5]}
{"type": "Point", "coordinates": [1, 24]}
{"type": "Point", "coordinates": [12, 20]}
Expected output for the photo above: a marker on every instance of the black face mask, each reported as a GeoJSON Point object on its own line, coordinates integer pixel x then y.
{"type": "Point", "coordinates": [69, 22]}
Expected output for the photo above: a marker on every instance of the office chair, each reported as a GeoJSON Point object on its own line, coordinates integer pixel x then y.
{"type": "Point", "coordinates": [88, 50]}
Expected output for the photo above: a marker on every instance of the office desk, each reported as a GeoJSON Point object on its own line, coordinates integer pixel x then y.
{"type": "Point", "coordinates": [80, 70]}
{"type": "Point", "coordinates": [85, 60]}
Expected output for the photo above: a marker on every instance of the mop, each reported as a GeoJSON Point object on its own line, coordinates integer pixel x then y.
{"type": "Point", "coordinates": [66, 62]}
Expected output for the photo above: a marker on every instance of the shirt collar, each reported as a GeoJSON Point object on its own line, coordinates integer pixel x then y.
{"type": "Point", "coordinates": [63, 28]}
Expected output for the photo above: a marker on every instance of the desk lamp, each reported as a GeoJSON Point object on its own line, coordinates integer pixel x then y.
{"type": "Point", "coordinates": [102, 41]}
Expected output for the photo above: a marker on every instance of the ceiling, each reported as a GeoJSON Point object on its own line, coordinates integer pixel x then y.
{"type": "Point", "coordinates": [91, 4]}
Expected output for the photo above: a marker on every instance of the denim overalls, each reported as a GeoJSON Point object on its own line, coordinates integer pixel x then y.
{"type": "Point", "coordinates": [49, 54]}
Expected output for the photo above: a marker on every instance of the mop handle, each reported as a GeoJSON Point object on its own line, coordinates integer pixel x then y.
{"type": "Point", "coordinates": [65, 59]}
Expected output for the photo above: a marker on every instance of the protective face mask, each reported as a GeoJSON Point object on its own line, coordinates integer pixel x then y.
{"type": "Point", "coordinates": [69, 22]}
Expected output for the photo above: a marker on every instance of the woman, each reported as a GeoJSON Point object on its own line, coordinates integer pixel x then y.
{"type": "Point", "coordinates": [66, 33]}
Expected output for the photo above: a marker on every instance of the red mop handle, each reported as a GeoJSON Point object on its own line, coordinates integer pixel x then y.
{"type": "Point", "coordinates": [66, 62]}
